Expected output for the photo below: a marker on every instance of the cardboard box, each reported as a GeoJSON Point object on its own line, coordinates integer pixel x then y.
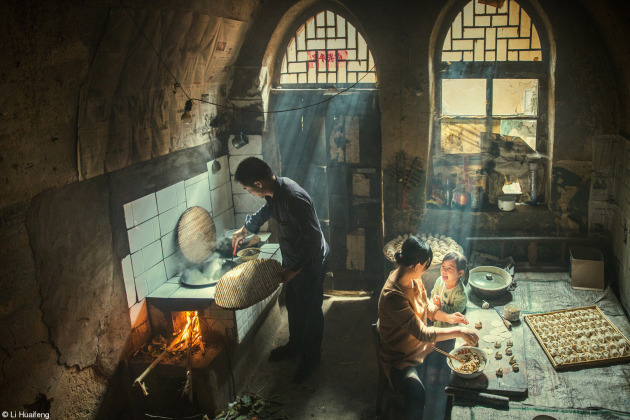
{"type": "Point", "coordinates": [586, 268]}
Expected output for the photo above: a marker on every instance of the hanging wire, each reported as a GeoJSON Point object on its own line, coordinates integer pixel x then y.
{"type": "Point", "coordinates": [178, 85]}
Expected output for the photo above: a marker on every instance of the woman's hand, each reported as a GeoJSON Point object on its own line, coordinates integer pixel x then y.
{"type": "Point", "coordinates": [469, 336]}
{"type": "Point", "coordinates": [437, 302]}
{"type": "Point", "coordinates": [457, 318]}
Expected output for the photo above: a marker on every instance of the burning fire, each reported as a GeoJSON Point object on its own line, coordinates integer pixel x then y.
{"type": "Point", "coordinates": [188, 335]}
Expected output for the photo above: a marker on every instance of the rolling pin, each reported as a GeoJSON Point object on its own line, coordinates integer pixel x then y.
{"type": "Point", "coordinates": [507, 323]}
{"type": "Point", "coordinates": [476, 396]}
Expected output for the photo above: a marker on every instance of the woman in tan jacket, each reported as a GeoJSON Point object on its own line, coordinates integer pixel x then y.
{"type": "Point", "coordinates": [403, 309]}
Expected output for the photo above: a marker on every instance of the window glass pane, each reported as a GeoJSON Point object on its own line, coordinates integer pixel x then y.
{"type": "Point", "coordinates": [464, 97]}
{"type": "Point", "coordinates": [515, 97]}
{"type": "Point", "coordinates": [461, 137]}
{"type": "Point", "coordinates": [524, 130]}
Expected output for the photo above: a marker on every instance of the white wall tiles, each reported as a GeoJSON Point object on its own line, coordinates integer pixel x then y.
{"type": "Point", "coordinates": [168, 219]}
{"type": "Point", "coordinates": [171, 197]}
{"type": "Point", "coordinates": [141, 287]}
{"type": "Point", "coordinates": [253, 148]}
{"type": "Point", "coordinates": [174, 264]}
{"type": "Point", "coordinates": [220, 176]}
{"type": "Point", "coordinates": [143, 234]}
{"type": "Point", "coordinates": [169, 244]}
{"type": "Point", "coordinates": [138, 314]}
{"type": "Point", "coordinates": [221, 198]}
{"type": "Point", "coordinates": [140, 210]}
{"type": "Point", "coordinates": [155, 276]}
{"type": "Point", "coordinates": [198, 194]}
{"type": "Point", "coordinates": [130, 287]}
{"type": "Point", "coordinates": [224, 222]}
{"type": "Point", "coordinates": [151, 230]}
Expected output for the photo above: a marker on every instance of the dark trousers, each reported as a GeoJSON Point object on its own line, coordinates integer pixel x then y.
{"type": "Point", "coordinates": [408, 383]}
{"type": "Point", "coordinates": [304, 298]}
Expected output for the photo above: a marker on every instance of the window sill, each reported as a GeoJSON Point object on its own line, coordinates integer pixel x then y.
{"type": "Point", "coordinates": [492, 208]}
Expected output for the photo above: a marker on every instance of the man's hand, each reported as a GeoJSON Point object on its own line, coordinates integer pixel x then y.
{"type": "Point", "coordinates": [288, 274]}
{"type": "Point", "coordinates": [437, 301]}
{"type": "Point", "coordinates": [238, 236]}
{"type": "Point", "coordinates": [457, 318]}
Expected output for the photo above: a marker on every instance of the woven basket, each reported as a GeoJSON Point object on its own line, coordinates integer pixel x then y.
{"type": "Point", "coordinates": [248, 283]}
{"type": "Point", "coordinates": [196, 234]}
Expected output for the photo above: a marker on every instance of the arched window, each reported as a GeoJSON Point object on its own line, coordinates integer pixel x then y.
{"type": "Point", "coordinates": [491, 84]}
{"type": "Point", "coordinates": [327, 49]}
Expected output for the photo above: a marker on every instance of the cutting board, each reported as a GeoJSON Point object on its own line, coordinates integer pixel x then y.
{"type": "Point", "coordinates": [513, 384]}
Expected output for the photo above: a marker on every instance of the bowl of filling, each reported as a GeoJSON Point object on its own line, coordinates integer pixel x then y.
{"type": "Point", "coordinates": [474, 361]}
{"type": "Point", "coordinates": [248, 254]}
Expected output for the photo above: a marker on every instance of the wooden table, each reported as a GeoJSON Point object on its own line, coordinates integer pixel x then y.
{"type": "Point", "coordinates": [591, 393]}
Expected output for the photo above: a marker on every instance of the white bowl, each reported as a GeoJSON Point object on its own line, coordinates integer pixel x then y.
{"type": "Point", "coordinates": [461, 352]}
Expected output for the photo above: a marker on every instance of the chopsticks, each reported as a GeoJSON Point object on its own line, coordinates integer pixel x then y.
{"type": "Point", "coordinates": [448, 355]}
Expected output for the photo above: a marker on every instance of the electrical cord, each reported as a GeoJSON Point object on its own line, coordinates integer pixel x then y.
{"type": "Point", "coordinates": [177, 85]}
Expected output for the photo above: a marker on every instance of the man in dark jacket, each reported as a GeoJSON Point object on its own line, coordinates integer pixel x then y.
{"type": "Point", "coordinates": [304, 252]}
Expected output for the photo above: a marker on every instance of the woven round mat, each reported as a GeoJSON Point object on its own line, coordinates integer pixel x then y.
{"type": "Point", "coordinates": [196, 234]}
{"type": "Point", "coordinates": [248, 283]}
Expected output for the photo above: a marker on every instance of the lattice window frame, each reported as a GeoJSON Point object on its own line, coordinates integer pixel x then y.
{"type": "Point", "coordinates": [326, 50]}
{"type": "Point", "coordinates": [480, 32]}
{"type": "Point", "coordinates": [491, 70]}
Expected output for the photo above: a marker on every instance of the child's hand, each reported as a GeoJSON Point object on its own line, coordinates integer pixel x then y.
{"type": "Point", "coordinates": [437, 301]}
{"type": "Point", "coordinates": [457, 318]}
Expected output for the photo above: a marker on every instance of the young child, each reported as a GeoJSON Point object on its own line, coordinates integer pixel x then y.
{"type": "Point", "coordinates": [448, 293]}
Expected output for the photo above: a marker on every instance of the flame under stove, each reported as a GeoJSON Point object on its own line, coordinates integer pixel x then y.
{"type": "Point", "coordinates": [183, 333]}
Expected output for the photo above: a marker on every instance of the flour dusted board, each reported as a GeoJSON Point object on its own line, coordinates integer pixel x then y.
{"type": "Point", "coordinates": [579, 337]}
{"type": "Point", "coordinates": [495, 338]}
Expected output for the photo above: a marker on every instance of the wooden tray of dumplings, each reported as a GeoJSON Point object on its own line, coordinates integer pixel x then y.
{"type": "Point", "coordinates": [579, 337]}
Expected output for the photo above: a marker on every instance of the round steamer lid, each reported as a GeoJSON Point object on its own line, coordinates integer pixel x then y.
{"type": "Point", "coordinates": [196, 234]}
{"type": "Point", "coordinates": [489, 278]}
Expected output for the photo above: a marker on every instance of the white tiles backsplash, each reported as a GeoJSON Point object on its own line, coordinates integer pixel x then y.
{"type": "Point", "coordinates": [129, 280]}
{"type": "Point", "coordinates": [198, 194]}
{"type": "Point", "coordinates": [155, 276]}
{"type": "Point", "coordinates": [195, 179]}
{"type": "Point", "coordinates": [220, 177]}
{"type": "Point", "coordinates": [253, 148]}
{"type": "Point", "coordinates": [171, 197]}
{"type": "Point", "coordinates": [221, 198]}
{"type": "Point", "coordinates": [143, 234]}
{"type": "Point", "coordinates": [140, 210]}
{"type": "Point", "coordinates": [169, 219]}
{"type": "Point", "coordinates": [169, 244]}
{"type": "Point", "coordinates": [224, 222]}
{"type": "Point", "coordinates": [138, 314]}
{"type": "Point", "coordinates": [174, 264]}
{"type": "Point", "coordinates": [155, 261]}
{"type": "Point", "coordinates": [141, 287]}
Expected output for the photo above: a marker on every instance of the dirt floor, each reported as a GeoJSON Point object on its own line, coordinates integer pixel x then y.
{"type": "Point", "coordinates": [344, 385]}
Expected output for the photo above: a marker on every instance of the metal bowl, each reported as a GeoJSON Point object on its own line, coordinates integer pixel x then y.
{"type": "Point", "coordinates": [489, 282]}
{"type": "Point", "coordinates": [462, 352]}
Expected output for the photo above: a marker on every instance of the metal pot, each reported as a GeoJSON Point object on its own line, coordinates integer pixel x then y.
{"type": "Point", "coordinates": [489, 282]}
{"type": "Point", "coordinates": [506, 202]}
